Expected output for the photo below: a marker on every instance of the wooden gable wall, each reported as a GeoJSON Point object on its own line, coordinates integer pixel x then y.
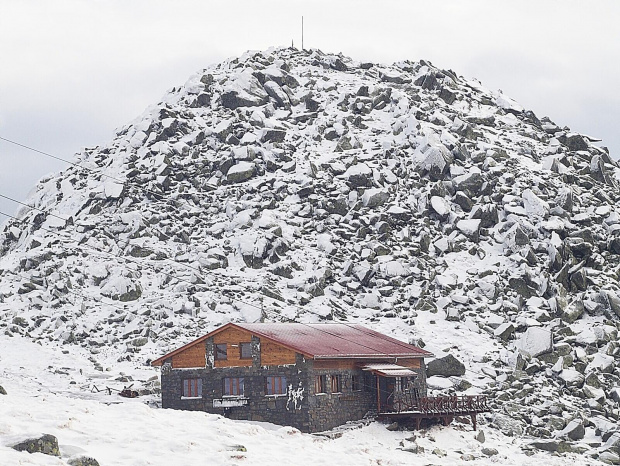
{"type": "Point", "coordinates": [272, 354]}
{"type": "Point", "coordinates": [232, 337]}
{"type": "Point", "coordinates": [193, 356]}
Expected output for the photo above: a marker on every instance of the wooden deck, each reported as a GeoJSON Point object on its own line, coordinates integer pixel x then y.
{"type": "Point", "coordinates": [445, 408]}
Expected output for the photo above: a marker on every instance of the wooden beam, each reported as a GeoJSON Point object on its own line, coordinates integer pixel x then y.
{"type": "Point", "coordinates": [378, 396]}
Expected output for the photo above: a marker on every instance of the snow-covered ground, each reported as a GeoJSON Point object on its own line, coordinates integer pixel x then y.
{"type": "Point", "coordinates": [52, 392]}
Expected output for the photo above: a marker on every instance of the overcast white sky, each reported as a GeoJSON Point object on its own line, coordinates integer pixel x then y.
{"type": "Point", "coordinates": [71, 71]}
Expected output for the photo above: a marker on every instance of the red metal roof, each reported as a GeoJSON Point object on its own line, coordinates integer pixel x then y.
{"type": "Point", "coordinates": [339, 340]}
{"type": "Point", "coordinates": [323, 341]}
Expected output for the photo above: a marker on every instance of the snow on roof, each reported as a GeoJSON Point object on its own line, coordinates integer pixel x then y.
{"type": "Point", "coordinates": [389, 370]}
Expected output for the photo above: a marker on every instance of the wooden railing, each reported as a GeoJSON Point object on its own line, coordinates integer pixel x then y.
{"type": "Point", "coordinates": [405, 401]}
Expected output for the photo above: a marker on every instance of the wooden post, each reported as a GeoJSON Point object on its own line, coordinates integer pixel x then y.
{"type": "Point", "coordinates": [378, 396]}
{"type": "Point", "coordinates": [473, 420]}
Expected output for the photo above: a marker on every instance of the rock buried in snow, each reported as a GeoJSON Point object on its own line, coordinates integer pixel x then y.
{"type": "Point", "coordinates": [2, 390]}
{"type": "Point", "coordinates": [551, 446]}
{"type": "Point", "coordinates": [446, 366]}
{"type": "Point", "coordinates": [46, 444]}
{"type": "Point", "coordinates": [489, 451]}
{"type": "Point", "coordinates": [83, 461]}
{"type": "Point", "coordinates": [536, 341]}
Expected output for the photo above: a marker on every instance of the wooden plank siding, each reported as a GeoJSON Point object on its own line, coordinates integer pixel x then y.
{"type": "Point", "coordinates": [336, 364]}
{"type": "Point", "coordinates": [194, 356]}
{"type": "Point", "coordinates": [272, 354]}
{"type": "Point", "coordinates": [232, 337]}
{"type": "Point", "coordinates": [413, 363]}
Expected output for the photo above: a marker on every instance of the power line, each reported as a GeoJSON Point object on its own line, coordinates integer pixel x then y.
{"type": "Point", "coordinates": [99, 250]}
{"type": "Point", "coordinates": [67, 220]}
{"type": "Point", "coordinates": [92, 170]}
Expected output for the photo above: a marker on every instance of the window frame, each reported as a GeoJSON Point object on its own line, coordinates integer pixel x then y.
{"type": "Point", "coordinates": [245, 344]}
{"type": "Point", "coordinates": [233, 384]}
{"type": "Point", "coordinates": [356, 383]}
{"type": "Point", "coordinates": [335, 383]}
{"type": "Point", "coordinates": [320, 384]}
{"type": "Point", "coordinates": [191, 388]}
{"type": "Point", "coordinates": [278, 388]}
{"type": "Point", "coordinates": [217, 348]}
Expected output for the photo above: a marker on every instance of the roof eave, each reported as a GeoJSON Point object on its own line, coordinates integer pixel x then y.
{"type": "Point", "coordinates": [373, 356]}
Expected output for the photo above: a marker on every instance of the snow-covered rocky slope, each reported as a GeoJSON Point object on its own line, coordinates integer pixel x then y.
{"type": "Point", "coordinates": [292, 185]}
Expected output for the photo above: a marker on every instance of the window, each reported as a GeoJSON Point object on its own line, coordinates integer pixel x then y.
{"type": "Point", "coordinates": [356, 383]}
{"type": "Point", "coordinates": [245, 350]}
{"type": "Point", "coordinates": [275, 385]}
{"type": "Point", "coordinates": [232, 386]}
{"type": "Point", "coordinates": [192, 388]}
{"type": "Point", "coordinates": [320, 384]}
{"type": "Point", "coordinates": [336, 385]}
{"type": "Point", "coordinates": [220, 352]}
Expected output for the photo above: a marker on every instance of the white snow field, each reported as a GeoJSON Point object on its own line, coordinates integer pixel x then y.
{"type": "Point", "coordinates": [42, 398]}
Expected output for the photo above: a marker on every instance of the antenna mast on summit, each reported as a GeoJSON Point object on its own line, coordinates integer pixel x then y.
{"type": "Point", "coordinates": [302, 33]}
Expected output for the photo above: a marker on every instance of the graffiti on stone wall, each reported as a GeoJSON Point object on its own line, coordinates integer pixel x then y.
{"type": "Point", "coordinates": [295, 397]}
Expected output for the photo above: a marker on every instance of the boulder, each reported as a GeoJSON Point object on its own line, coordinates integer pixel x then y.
{"type": "Point", "coordinates": [274, 135]}
{"type": "Point", "coordinates": [471, 183]}
{"type": "Point", "coordinates": [375, 197]}
{"type": "Point", "coordinates": [572, 378]}
{"type": "Point", "coordinates": [446, 366]}
{"type": "Point", "coordinates": [46, 444]}
{"type": "Point", "coordinates": [508, 425]}
{"type": "Point", "coordinates": [516, 239]}
{"type": "Point", "coordinates": [2, 390]}
{"type": "Point", "coordinates": [535, 207]}
{"type": "Point", "coordinates": [574, 142]}
{"type": "Point", "coordinates": [535, 341]}
{"type": "Point", "coordinates": [275, 91]}
{"type": "Point", "coordinates": [440, 206]}
{"type": "Point", "coordinates": [609, 457]}
{"type": "Point", "coordinates": [240, 172]}
{"type": "Point", "coordinates": [575, 430]}
{"type": "Point", "coordinates": [551, 445]}
{"type": "Point", "coordinates": [434, 162]}
{"type": "Point", "coordinates": [244, 91]}
{"type": "Point", "coordinates": [612, 443]}
{"type": "Point", "coordinates": [359, 175]}
{"type": "Point", "coordinates": [487, 214]}
{"type": "Point", "coordinates": [504, 331]}
{"type": "Point", "coordinates": [470, 228]}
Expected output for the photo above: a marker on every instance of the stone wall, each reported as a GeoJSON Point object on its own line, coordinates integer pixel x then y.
{"type": "Point", "coordinates": [328, 410]}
